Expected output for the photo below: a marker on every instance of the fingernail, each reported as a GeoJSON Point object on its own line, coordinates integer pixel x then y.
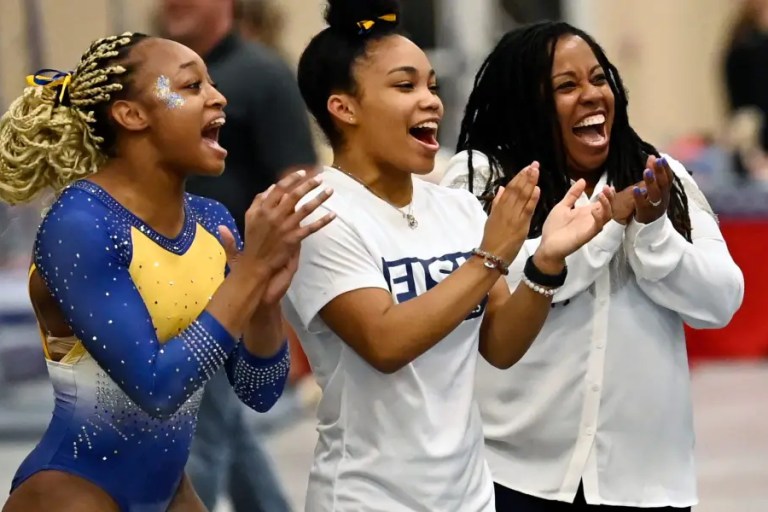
{"type": "Point", "coordinates": [649, 173]}
{"type": "Point", "coordinates": [643, 191]}
{"type": "Point", "coordinates": [318, 179]}
{"type": "Point", "coordinates": [301, 173]}
{"type": "Point", "coordinates": [637, 192]}
{"type": "Point", "coordinates": [329, 190]}
{"type": "Point", "coordinates": [661, 160]}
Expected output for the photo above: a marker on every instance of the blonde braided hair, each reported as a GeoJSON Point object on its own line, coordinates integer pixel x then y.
{"type": "Point", "coordinates": [47, 144]}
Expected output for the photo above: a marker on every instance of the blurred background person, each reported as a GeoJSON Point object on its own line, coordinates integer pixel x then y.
{"type": "Point", "coordinates": [746, 81]}
{"type": "Point", "coordinates": [267, 135]}
{"type": "Point", "coordinates": [261, 21]}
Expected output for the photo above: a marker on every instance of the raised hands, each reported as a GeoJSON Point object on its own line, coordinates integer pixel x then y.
{"type": "Point", "coordinates": [652, 196]}
{"type": "Point", "coordinates": [510, 219]}
{"type": "Point", "coordinates": [273, 230]}
{"type": "Point", "coordinates": [568, 227]}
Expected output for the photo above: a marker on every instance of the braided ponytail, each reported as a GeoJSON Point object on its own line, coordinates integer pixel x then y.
{"type": "Point", "coordinates": [45, 143]}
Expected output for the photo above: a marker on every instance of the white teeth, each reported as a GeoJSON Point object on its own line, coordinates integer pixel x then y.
{"type": "Point", "coordinates": [216, 123]}
{"type": "Point", "coordinates": [591, 121]}
{"type": "Point", "coordinates": [427, 125]}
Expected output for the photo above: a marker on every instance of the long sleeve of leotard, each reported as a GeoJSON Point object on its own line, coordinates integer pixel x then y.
{"type": "Point", "coordinates": [258, 382]}
{"type": "Point", "coordinates": [84, 260]}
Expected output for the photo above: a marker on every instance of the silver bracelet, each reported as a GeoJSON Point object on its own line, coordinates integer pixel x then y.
{"type": "Point", "coordinates": [547, 292]}
{"type": "Point", "coordinates": [491, 261]}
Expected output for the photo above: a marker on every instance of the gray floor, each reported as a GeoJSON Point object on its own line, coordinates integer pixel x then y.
{"type": "Point", "coordinates": [732, 442]}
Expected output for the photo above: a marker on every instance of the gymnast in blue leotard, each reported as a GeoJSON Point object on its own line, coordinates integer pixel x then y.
{"type": "Point", "coordinates": [142, 292]}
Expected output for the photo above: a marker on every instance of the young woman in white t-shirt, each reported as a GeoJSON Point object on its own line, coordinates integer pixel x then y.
{"type": "Point", "coordinates": [598, 412]}
{"type": "Point", "coordinates": [394, 299]}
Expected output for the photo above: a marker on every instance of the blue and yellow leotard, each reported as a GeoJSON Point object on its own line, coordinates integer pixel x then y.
{"type": "Point", "coordinates": [128, 388]}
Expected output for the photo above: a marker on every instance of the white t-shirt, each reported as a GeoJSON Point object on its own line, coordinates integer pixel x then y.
{"type": "Point", "coordinates": [411, 440]}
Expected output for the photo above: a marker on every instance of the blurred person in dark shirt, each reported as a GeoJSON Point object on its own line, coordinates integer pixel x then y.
{"type": "Point", "coordinates": [746, 83]}
{"type": "Point", "coordinates": [267, 135]}
{"type": "Point", "coordinates": [267, 131]}
{"type": "Point", "coordinates": [261, 21]}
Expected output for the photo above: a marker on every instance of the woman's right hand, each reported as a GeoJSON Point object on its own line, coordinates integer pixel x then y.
{"type": "Point", "coordinates": [273, 230]}
{"type": "Point", "coordinates": [510, 220]}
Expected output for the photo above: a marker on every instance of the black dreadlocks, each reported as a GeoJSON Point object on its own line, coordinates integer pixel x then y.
{"type": "Point", "coordinates": [511, 113]}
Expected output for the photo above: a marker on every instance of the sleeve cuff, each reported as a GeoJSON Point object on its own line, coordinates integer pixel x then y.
{"type": "Point", "coordinates": [654, 249]}
{"type": "Point", "coordinates": [610, 238]}
{"type": "Point", "coordinates": [263, 362]}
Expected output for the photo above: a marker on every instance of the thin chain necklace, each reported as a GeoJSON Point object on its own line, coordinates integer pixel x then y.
{"type": "Point", "coordinates": [409, 217]}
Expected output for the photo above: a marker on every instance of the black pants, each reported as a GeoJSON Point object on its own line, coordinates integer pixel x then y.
{"type": "Point", "coordinates": [508, 500]}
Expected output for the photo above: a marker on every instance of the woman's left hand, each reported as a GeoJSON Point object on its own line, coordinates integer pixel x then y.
{"type": "Point", "coordinates": [652, 199]}
{"type": "Point", "coordinates": [568, 226]}
{"type": "Point", "coordinates": [278, 282]}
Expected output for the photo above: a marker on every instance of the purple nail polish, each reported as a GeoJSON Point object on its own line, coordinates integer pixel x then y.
{"type": "Point", "coordinates": [643, 191]}
{"type": "Point", "coordinates": [662, 161]}
{"type": "Point", "coordinates": [648, 173]}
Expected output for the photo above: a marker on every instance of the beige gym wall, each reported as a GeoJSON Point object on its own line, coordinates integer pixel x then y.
{"type": "Point", "coordinates": [667, 50]}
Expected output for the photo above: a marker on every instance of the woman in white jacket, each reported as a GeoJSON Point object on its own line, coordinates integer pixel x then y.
{"type": "Point", "coordinates": [598, 411]}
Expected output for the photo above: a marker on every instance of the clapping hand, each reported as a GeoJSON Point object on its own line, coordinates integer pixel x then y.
{"type": "Point", "coordinates": [652, 196]}
{"type": "Point", "coordinates": [568, 227]}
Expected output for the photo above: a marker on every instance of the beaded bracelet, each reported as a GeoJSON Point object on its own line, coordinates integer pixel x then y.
{"type": "Point", "coordinates": [544, 284]}
{"type": "Point", "coordinates": [547, 292]}
{"type": "Point", "coordinates": [491, 261]}
{"type": "Point", "coordinates": [532, 272]}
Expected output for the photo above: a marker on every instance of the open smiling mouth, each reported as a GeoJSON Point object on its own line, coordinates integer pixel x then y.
{"type": "Point", "coordinates": [210, 135]}
{"type": "Point", "coordinates": [426, 134]}
{"type": "Point", "coordinates": [591, 130]}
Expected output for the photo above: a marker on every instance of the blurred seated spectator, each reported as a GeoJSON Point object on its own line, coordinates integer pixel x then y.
{"type": "Point", "coordinates": [706, 159]}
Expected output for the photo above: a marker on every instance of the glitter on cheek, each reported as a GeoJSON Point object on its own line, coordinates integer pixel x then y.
{"type": "Point", "coordinates": [164, 93]}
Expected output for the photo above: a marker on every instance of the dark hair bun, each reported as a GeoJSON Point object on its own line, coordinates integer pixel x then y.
{"type": "Point", "coordinates": [344, 15]}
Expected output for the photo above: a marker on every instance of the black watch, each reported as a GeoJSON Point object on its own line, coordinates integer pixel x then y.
{"type": "Point", "coordinates": [536, 276]}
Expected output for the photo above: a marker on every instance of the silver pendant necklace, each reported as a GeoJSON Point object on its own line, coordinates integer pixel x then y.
{"type": "Point", "coordinates": [409, 217]}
